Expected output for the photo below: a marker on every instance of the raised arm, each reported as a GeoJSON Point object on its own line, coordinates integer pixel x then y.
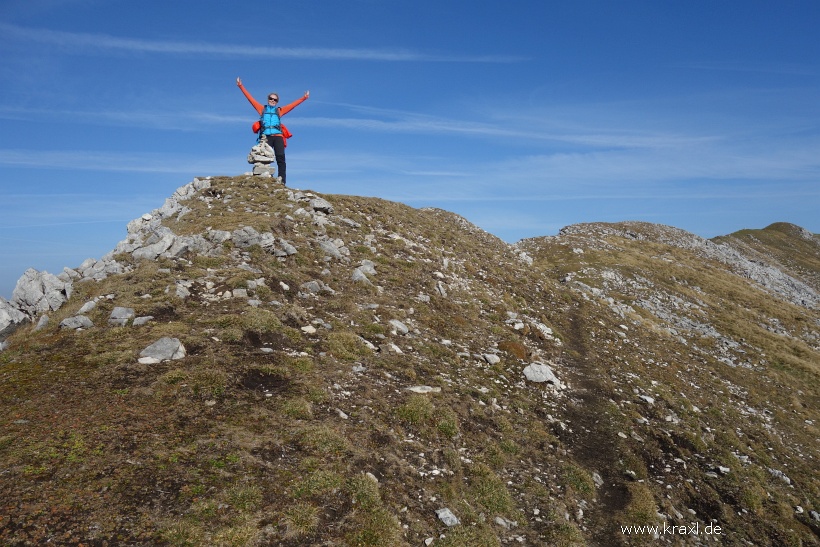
{"type": "Point", "coordinates": [288, 107]}
{"type": "Point", "coordinates": [258, 107]}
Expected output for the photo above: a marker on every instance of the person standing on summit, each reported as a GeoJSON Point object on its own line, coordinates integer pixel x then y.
{"type": "Point", "coordinates": [271, 123]}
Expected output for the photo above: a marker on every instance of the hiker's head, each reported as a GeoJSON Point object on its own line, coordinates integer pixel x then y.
{"type": "Point", "coordinates": [273, 98]}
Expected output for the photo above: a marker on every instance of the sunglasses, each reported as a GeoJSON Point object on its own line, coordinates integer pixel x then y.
{"type": "Point", "coordinates": [274, 99]}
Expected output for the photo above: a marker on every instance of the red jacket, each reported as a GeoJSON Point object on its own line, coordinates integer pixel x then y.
{"type": "Point", "coordinates": [260, 107]}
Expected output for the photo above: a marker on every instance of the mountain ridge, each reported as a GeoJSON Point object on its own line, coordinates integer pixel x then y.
{"type": "Point", "coordinates": [355, 366]}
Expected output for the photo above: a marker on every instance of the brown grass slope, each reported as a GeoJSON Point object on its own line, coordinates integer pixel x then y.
{"type": "Point", "coordinates": [690, 394]}
{"type": "Point", "coordinates": [791, 248]}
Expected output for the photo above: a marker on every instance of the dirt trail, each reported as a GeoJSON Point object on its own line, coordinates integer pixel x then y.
{"type": "Point", "coordinates": [591, 439]}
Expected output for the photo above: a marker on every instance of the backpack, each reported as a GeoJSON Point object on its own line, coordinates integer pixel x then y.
{"type": "Point", "coordinates": [257, 128]}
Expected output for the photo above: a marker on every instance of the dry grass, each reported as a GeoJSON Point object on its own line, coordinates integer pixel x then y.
{"type": "Point", "coordinates": [264, 433]}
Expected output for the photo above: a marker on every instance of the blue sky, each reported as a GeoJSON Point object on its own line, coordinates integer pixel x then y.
{"type": "Point", "coordinates": [522, 116]}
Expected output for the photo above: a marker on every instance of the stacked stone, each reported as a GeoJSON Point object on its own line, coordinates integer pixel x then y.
{"type": "Point", "coordinates": [262, 157]}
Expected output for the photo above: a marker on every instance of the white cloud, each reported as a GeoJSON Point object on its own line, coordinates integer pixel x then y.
{"type": "Point", "coordinates": [94, 43]}
{"type": "Point", "coordinates": [110, 161]}
{"type": "Point", "coordinates": [165, 120]}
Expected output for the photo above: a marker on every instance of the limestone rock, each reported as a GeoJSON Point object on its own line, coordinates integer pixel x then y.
{"type": "Point", "coordinates": [164, 349]}
{"type": "Point", "coordinates": [120, 316]}
{"type": "Point", "coordinates": [424, 389]}
{"type": "Point", "coordinates": [287, 248]}
{"type": "Point", "coordinates": [316, 286]}
{"type": "Point", "coordinates": [780, 475]}
{"type": "Point", "coordinates": [100, 269]}
{"type": "Point", "coordinates": [76, 322]}
{"type": "Point", "coordinates": [38, 292]}
{"type": "Point", "coordinates": [399, 327]}
{"type": "Point", "coordinates": [507, 524]}
{"type": "Point", "coordinates": [42, 323]}
{"type": "Point", "coordinates": [330, 249]}
{"type": "Point", "coordinates": [264, 170]}
{"type": "Point", "coordinates": [185, 244]}
{"type": "Point", "coordinates": [447, 517]}
{"type": "Point", "coordinates": [321, 205]}
{"type": "Point", "coordinates": [10, 318]}
{"type": "Point", "coordinates": [368, 267]}
{"type": "Point", "coordinates": [359, 276]}
{"type": "Point", "coordinates": [540, 373]}
{"type": "Point", "coordinates": [218, 236]}
{"type": "Point", "coordinates": [247, 237]}
{"type": "Point", "coordinates": [261, 153]}
{"type": "Point", "coordinates": [491, 358]}
{"type": "Point", "coordinates": [159, 242]}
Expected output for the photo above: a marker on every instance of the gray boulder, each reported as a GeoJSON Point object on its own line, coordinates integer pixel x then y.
{"type": "Point", "coordinates": [218, 236]}
{"type": "Point", "coordinates": [38, 292]}
{"type": "Point", "coordinates": [247, 236]}
{"type": "Point", "coordinates": [72, 274]}
{"type": "Point", "coordinates": [491, 358]}
{"type": "Point", "coordinates": [182, 245]}
{"type": "Point", "coordinates": [172, 205]}
{"type": "Point", "coordinates": [139, 321]}
{"type": "Point", "coordinates": [399, 327]}
{"type": "Point", "coordinates": [156, 244]}
{"type": "Point", "coordinates": [447, 517]}
{"type": "Point", "coordinates": [286, 247]}
{"type": "Point", "coordinates": [359, 276]}
{"type": "Point", "coordinates": [321, 205]}
{"type": "Point", "coordinates": [119, 316]}
{"type": "Point", "coordinates": [100, 269]}
{"type": "Point", "coordinates": [540, 373]}
{"type": "Point", "coordinates": [42, 323]}
{"type": "Point", "coordinates": [132, 242]}
{"type": "Point", "coordinates": [164, 349]}
{"type": "Point", "coordinates": [76, 322]}
{"type": "Point", "coordinates": [264, 170]}
{"type": "Point", "coordinates": [87, 307]}
{"type": "Point", "coordinates": [316, 286]}
{"type": "Point", "coordinates": [368, 267]}
{"type": "Point", "coordinates": [330, 249]}
{"type": "Point", "coordinates": [10, 318]}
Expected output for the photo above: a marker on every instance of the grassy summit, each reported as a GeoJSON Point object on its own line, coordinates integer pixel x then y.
{"type": "Point", "coordinates": [317, 408]}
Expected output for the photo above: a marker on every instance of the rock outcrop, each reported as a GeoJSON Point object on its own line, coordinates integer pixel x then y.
{"type": "Point", "coordinates": [767, 276]}
{"type": "Point", "coordinates": [10, 318]}
{"type": "Point", "coordinates": [38, 292]}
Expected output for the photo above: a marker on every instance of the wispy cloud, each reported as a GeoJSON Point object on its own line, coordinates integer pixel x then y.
{"type": "Point", "coordinates": [88, 42]}
{"type": "Point", "coordinates": [695, 172]}
{"type": "Point", "coordinates": [118, 220]}
{"type": "Point", "coordinates": [537, 127]}
{"type": "Point", "coordinates": [41, 210]}
{"type": "Point", "coordinates": [108, 161]}
{"type": "Point", "coordinates": [534, 128]}
{"type": "Point", "coordinates": [157, 119]}
{"type": "Point", "coordinates": [781, 69]}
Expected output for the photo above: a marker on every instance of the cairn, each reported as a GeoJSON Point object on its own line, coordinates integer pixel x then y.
{"type": "Point", "coordinates": [262, 158]}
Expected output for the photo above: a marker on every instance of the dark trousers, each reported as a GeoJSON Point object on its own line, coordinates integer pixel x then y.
{"type": "Point", "coordinates": [278, 145]}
